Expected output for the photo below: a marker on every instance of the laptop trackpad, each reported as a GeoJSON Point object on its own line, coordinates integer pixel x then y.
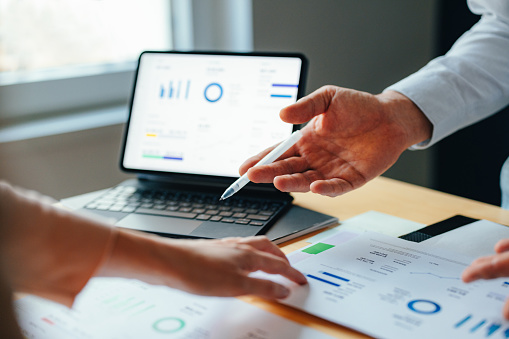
{"type": "Point", "coordinates": [209, 229]}
{"type": "Point", "coordinates": [152, 223]}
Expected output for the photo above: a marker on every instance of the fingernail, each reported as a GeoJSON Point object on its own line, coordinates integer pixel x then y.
{"type": "Point", "coordinates": [303, 280]}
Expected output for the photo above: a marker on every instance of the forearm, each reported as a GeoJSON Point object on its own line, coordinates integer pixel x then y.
{"type": "Point", "coordinates": [48, 251]}
{"type": "Point", "coordinates": [218, 267]}
{"type": "Point", "coordinates": [142, 256]}
{"type": "Point", "coordinates": [180, 264]}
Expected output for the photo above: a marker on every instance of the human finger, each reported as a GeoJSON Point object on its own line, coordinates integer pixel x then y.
{"type": "Point", "coordinates": [264, 288]}
{"type": "Point", "coordinates": [250, 162]}
{"type": "Point", "coordinates": [261, 261]}
{"type": "Point", "coordinates": [502, 246]}
{"type": "Point", "coordinates": [505, 309]}
{"type": "Point", "coordinates": [262, 243]}
{"type": "Point", "coordinates": [259, 254]}
{"type": "Point", "coordinates": [309, 106]}
{"type": "Point", "coordinates": [332, 187]}
{"type": "Point", "coordinates": [267, 173]}
{"type": "Point", "coordinates": [262, 173]}
{"type": "Point", "coordinates": [297, 182]}
{"type": "Point", "coordinates": [487, 268]}
{"type": "Point", "coordinates": [471, 272]}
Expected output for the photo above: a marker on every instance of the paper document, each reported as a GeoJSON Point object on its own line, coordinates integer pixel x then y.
{"type": "Point", "coordinates": [392, 288]}
{"type": "Point", "coordinates": [128, 309]}
{"type": "Point", "coordinates": [373, 221]}
{"type": "Point", "coordinates": [474, 240]}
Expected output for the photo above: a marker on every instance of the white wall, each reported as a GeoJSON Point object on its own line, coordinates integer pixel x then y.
{"type": "Point", "coordinates": [362, 44]}
{"type": "Point", "coordinates": [64, 165]}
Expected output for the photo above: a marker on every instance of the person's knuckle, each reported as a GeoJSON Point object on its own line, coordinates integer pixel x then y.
{"type": "Point", "coordinates": [244, 285]}
{"type": "Point", "coordinates": [496, 266]}
{"type": "Point", "coordinates": [246, 261]}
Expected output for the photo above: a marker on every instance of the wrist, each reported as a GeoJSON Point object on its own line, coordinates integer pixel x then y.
{"type": "Point", "coordinates": [415, 126]}
{"type": "Point", "coordinates": [138, 256]}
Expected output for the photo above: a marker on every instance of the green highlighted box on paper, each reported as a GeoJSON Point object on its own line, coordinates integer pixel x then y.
{"type": "Point", "coordinates": [317, 248]}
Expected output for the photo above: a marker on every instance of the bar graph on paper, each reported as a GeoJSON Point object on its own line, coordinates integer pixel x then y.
{"type": "Point", "coordinates": [474, 325]}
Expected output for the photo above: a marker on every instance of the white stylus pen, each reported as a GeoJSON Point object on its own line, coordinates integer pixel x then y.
{"type": "Point", "coordinates": [271, 157]}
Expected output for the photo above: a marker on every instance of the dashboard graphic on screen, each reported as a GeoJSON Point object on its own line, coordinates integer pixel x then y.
{"type": "Point", "coordinates": [207, 113]}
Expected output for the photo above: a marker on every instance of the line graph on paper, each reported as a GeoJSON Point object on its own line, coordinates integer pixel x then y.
{"type": "Point", "coordinates": [436, 275]}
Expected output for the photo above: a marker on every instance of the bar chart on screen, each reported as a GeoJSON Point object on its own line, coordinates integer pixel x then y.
{"type": "Point", "coordinates": [175, 89]}
{"type": "Point", "coordinates": [206, 115]}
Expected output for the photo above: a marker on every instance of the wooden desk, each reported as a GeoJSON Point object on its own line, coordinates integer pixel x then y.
{"type": "Point", "coordinates": [388, 196]}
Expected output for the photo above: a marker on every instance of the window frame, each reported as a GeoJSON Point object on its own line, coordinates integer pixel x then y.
{"type": "Point", "coordinates": [195, 25]}
{"type": "Point", "coordinates": [90, 87]}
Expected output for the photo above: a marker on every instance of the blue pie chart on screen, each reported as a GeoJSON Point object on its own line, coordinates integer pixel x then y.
{"type": "Point", "coordinates": [423, 306]}
{"type": "Point", "coordinates": [213, 92]}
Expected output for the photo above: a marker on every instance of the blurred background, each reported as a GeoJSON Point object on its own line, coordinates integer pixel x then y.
{"type": "Point", "coordinates": [66, 69]}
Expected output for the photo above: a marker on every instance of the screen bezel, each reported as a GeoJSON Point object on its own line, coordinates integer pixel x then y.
{"type": "Point", "coordinates": [197, 178]}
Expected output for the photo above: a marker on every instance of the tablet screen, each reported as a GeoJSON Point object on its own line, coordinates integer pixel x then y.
{"type": "Point", "coordinates": [207, 113]}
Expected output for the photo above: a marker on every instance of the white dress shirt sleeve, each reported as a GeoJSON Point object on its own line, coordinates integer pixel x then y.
{"type": "Point", "coordinates": [471, 81]}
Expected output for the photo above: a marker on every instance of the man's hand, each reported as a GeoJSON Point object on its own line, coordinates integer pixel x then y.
{"type": "Point", "coordinates": [491, 267]}
{"type": "Point", "coordinates": [352, 138]}
{"type": "Point", "coordinates": [205, 267]}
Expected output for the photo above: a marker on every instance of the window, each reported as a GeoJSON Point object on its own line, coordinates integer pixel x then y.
{"type": "Point", "coordinates": [60, 56]}
{"type": "Point", "coordinates": [43, 34]}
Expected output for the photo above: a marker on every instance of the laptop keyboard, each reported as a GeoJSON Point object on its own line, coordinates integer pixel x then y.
{"type": "Point", "coordinates": [199, 206]}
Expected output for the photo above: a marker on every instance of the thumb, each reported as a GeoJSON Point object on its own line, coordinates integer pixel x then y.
{"type": "Point", "coordinates": [309, 106]}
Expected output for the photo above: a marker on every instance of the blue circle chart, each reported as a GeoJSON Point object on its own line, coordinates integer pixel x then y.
{"type": "Point", "coordinates": [423, 306]}
{"type": "Point", "coordinates": [168, 325]}
{"type": "Point", "coordinates": [213, 92]}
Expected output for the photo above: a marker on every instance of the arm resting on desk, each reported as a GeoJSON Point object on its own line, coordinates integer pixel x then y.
{"type": "Point", "coordinates": [53, 253]}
